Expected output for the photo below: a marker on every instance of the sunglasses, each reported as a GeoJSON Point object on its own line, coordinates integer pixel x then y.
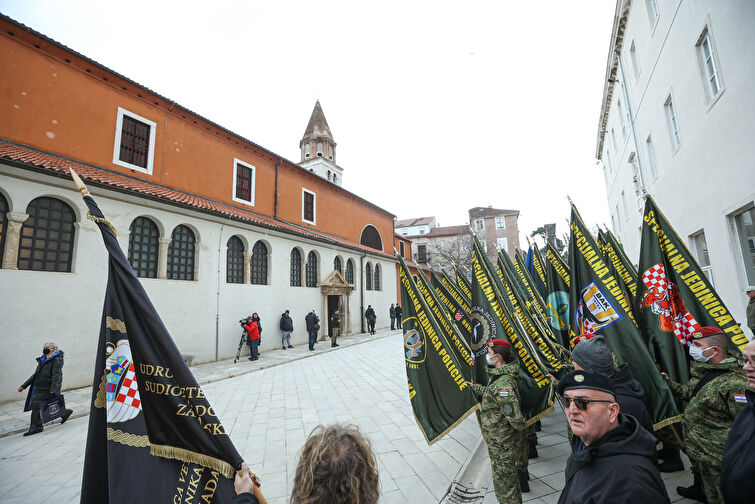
{"type": "Point", "coordinates": [580, 402]}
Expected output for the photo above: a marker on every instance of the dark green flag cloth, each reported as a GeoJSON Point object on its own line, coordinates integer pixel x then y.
{"type": "Point", "coordinates": [621, 263]}
{"type": "Point", "coordinates": [674, 297]}
{"type": "Point", "coordinates": [439, 394]}
{"type": "Point", "coordinates": [153, 436]}
{"type": "Point", "coordinates": [557, 299]}
{"type": "Point", "coordinates": [493, 320]}
{"type": "Point", "coordinates": [523, 281]}
{"type": "Point", "coordinates": [599, 306]}
{"type": "Point", "coordinates": [541, 282]}
{"type": "Point", "coordinates": [462, 284]}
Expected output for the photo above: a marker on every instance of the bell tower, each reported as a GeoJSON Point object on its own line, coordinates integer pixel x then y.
{"type": "Point", "coordinates": [318, 149]}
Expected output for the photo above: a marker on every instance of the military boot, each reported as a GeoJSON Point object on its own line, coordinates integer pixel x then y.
{"type": "Point", "coordinates": [524, 477]}
{"type": "Point", "coordinates": [532, 448]}
{"type": "Point", "coordinates": [694, 492]}
{"type": "Point", "coordinates": [672, 459]}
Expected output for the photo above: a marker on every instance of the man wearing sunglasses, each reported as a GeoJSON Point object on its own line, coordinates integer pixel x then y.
{"type": "Point", "coordinates": [615, 461]}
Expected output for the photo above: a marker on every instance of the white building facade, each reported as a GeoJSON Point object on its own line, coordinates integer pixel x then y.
{"type": "Point", "coordinates": [677, 121]}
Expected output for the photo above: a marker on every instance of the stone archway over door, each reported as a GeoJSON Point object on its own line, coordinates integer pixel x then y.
{"type": "Point", "coordinates": [335, 285]}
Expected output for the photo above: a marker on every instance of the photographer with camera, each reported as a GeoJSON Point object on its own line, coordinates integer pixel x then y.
{"type": "Point", "coordinates": [254, 335]}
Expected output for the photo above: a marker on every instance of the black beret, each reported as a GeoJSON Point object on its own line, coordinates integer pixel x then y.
{"type": "Point", "coordinates": [583, 379]}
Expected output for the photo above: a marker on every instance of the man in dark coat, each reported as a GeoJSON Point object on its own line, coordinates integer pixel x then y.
{"type": "Point", "coordinates": [286, 327]}
{"type": "Point", "coordinates": [370, 315]}
{"type": "Point", "coordinates": [313, 325]}
{"type": "Point", "coordinates": [392, 314]}
{"type": "Point", "coordinates": [738, 466]}
{"type": "Point", "coordinates": [44, 384]}
{"type": "Point", "coordinates": [399, 312]}
{"type": "Point", "coordinates": [615, 461]}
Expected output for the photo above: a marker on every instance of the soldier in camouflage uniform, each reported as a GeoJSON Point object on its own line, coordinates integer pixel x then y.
{"type": "Point", "coordinates": [502, 421]}
{"type": "Point", "coordinates": [711, 409]}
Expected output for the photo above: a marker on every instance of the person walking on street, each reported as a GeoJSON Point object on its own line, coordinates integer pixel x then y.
{"type": "Point", "coordinates": [370, 315]}
{"type": "Point", "coordinates": [751, 308]}
{"type": "Point", "coordinates": [287, 327]}
{"type": "Point", "coordinates": [399, 311]}
{"type": "Point", "coordinates": [313, 325]}
{"type": "Point", "coordinates": [253, 335]}
{"type": "Point", "coordinates": [392, 314]}
{"type": "Point", "coordinates": [44, 384]}
{"type": "Point", "coordinates": [335, 328]}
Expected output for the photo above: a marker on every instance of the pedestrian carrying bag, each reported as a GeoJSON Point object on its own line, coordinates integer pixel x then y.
{"type": "Point", "coordinates": [53, 408]}
{"type": "Point", "coordinates": [316, 327]}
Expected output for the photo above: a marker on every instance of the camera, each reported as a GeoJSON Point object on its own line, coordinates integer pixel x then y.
{"type": "Point", "coordinates": [243, 321]}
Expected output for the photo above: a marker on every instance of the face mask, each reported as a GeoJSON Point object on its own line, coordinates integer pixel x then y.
{"type": "Point", "coordinates": [697, 353]}
{"type": "Point", "coordinates": [491, 362]}
{"type": "Point", "coordinates": [45, 350]}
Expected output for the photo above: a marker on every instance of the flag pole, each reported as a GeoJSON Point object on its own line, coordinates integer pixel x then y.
{"type": "Point", "coordinates": [79, 183]}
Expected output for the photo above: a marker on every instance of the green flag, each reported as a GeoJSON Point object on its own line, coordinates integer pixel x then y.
{"type": "Point", "coordinates": [557, 299]}
{"type": "Point", "coordinates": [460, 298]}
{"type": "Point", "coordinates": [521, 277]}
{"type": "Point", "coordinates": [462, 283]}
{"type": "Point", "coordinates": [440, 396]}
{"type": "Point", "coordinates": [492, 321]}
{"type": "Point", "coordinates": [621, 263]}
{"type": "Point", "coordinates": [599, 306]}
{"type": "Point", "coordinates": [541, 281]}
{"type": "Point", "coordinates": [674, 296]}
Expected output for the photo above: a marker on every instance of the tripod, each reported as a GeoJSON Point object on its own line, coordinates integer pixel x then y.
{"type": "Point", "coordinates": [241, 344]}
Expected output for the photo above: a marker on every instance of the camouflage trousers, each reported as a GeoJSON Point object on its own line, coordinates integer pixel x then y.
{"type": "Point", "coordinates": [711, 478]}
{"type": "Point", "coordinates": [505, 480]}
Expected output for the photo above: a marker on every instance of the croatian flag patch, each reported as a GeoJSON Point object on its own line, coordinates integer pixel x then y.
{"type": "Point", "coordinates": [740, 398]}
{"type": "Point", "coordinates": [505, 393]}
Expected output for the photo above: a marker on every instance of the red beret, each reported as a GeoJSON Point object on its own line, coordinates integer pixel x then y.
{"type": "Point", "coordinates": [579, 339]}
{"type": "Point", "coordinates": [706, 331]}
{"type": "Point", "coordinates": [499, 343]}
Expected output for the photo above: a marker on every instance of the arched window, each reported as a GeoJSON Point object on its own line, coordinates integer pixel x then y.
{"type": "Point", "coordinates": [371, 238]}
{"type": "Point", "coordinates": [4, 207]}
{"type": "Point", "coordinates": [181, 254]}
{"type": "Point", "coordinates": [47, 236]}
{"type": "Point", "coordinates": [259, 263]}
{"type": "Point", "coordinates": [295, 268]}
{"type": "Point", "coordinates": [368, 276]}
{"type": "Point", "coordinates": [311, 270]}
{"type": "Point", "coordinates": [234, 260]}
{"type": "Point", "coordinates": [143, 247]}
{"type": "Point", "coordinates": [350, 272]}
{"type": "Point", "coordinates": [377, 277]}
{"type": "Point", "coordinates": [337, 265]}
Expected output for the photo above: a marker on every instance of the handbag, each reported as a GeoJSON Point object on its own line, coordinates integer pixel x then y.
{"type": "Point", "coordinates": [53, 408]}
{"type": "Point", "coordinates": [316, 327]}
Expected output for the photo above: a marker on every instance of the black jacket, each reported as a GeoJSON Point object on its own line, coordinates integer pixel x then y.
{"type": "Point", "coordinates": [311, 319]}
{"type": "Point", "coordinates": [392, 311]}
{"type": "Point", "coordinates": [335, 321]}
{"type": "Point", "coordinates": [46, 380]}
{"type": "Point", "coordinates": [286, 323]}
{"type": "Point", "coordinates": [738, 466]}
{"type": "Point", "coordinates": [631, 396]}
{"type": "Point", "coordinates": [399, 311]}
{"type": "Point", "coordinates": [617, 468]}
{"type": "Point", "coordinates": [370, 314]}
{"type": "Point", "coordinates": [245, 498]}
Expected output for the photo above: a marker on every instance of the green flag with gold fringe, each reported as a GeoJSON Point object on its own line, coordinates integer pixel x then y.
{"type": "Point", "coordinates": [493, 320]}
{"type": "Point", "coordinates": [538, 268]}
{"type": "Point", "coordinates": [438, 391]}
{"type": "Point", "coordinates": [462, 284]}
{"type": "Point", "coordinates": [599, 306]}
{"type": "Point", "coordinates": [674, 296]}
{"type": "Point", "coordinates": [557, 299]}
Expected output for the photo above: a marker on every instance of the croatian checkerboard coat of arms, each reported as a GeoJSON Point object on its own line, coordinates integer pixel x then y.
{"type": "Point", "coordinates": [663, 299]}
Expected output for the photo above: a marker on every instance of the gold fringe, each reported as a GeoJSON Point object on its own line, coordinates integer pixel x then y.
{"type": "Point", "coordinates": [664, 423]}
{"type": "Point", "coordinates": [449, 429]}
{"type": "Point", "coordinates": [544, 414]}
{"type": "Point", "coordinates": [127, 439]}
{"type": "Point", "coordinates": [102, 220]}
{"type": "Point", "coordinates": [101, 400]}
{"type": "Point", "coordinates": [115, 324]}
{"type": "Point", "coordinates": [173, 452]}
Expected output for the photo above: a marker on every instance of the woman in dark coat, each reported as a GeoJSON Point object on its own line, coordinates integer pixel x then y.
{"type": "Point", "coordinates": [44, 384]}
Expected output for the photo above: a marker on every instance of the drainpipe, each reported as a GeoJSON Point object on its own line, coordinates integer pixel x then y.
{"type": "Point", "coordinates": [275, 214]}
{"type": "Point", "coordinates": [631, 123]}
{"type": "Point", "coordinates": [361, 291]}
{"type": "Point", "coordinates": [217, 296]}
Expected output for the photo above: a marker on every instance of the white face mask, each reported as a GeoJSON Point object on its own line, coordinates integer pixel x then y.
{"type": "Point", "coordinates": [491, 362]}
{"type": "Point", "coordinates": [697, 353]}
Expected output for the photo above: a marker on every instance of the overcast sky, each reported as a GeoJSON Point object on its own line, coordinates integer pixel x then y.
{"type": "Point", "coordinates": [436, 106]}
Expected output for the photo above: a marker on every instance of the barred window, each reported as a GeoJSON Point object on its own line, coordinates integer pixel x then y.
{"type": "Point", "coordinates": [377, 277]}
{"type": "Point", "coordinates": [337, 265]}
{"type": "Point", "coordinates": [47, 236]}
{"type": "Point", "coordinates": [295, 268]}
{"type": "Point", "coordinates": [311, 270]}
{"type": "Point", "coordinates": [143, 247]}
{"type": "Point", "coordinates": [371, 238]}
{"type": "Point", "coordinates": [350, 272]}
{"type": "Point", "coordinates": [243, 175]}
{"type": "Point", "coordinates": [134, 141]}
{"type": "Point", "coordinates": [234, 260]}
{"type": "Point", "coordinates": [308, 206]}
{"type": "Point", "coordinates": [368, 276]}
{"type": "Point", "coordinates": [4, 207]}
{"type": "Point", "coordinates": [181, 254]}
{"type": "Point", "coordinates": [259, 264]}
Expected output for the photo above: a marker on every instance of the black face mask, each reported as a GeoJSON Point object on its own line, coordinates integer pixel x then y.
{"type": "Point", "coordinates": [45, 350]}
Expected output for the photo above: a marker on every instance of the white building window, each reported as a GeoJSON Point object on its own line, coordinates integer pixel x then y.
{"type": "Point", "coordinates": [744, 222]}
{"type": "Point", "coordinates": [613, 139]}
{"type": "Point", "coordinates": [503, 244]}
{"type": "Point", "coordinates": [673, 126]}
{"type": "Point", "coordinates": [652, 7]}
{"type": "Point", "coordinates": [635, 60]}
{"type": "Point", "coordinates": [707, 55]}
{"type": "Point", "coordinates": [500, 222]}
{"type": "Point", "coordinates": [308, 206]}
{"type": "Point", "coordinates": [651, 157]}
{"type": "Point", "coordinates": [134, 142]}
{"type": "Point", "coordinates": [700, 245]}
{"type": "Point", "coordinates": [243, 182]}
{"type": "Point", "coordinates": [479, 224]}
{"type": "Point", "coordinates": [622, 119]}
{"type": "Point", "coordinates": [485, 246]}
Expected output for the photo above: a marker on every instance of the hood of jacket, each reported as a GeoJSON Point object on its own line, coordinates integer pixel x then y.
{"type": "Point", "coordinates": [698, 369]}
{"type": "Point", "coordinates": [624, 383]}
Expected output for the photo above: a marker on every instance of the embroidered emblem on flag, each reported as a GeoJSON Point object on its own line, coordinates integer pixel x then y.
{"type": "Point", "coordinates": [740, 398]}
{"type": "Point", "coordinates": [122, 390]}
{"type": "Point", "coordinates": [663, 298]}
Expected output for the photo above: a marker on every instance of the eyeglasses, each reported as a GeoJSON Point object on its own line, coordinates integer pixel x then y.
{"type": "Point", "coordinates": [580, 402]}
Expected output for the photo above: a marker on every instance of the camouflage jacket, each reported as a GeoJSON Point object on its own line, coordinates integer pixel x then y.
{"type": "Point", "coordinates": [501, 416]}
{"type": "Point", "coordinates": [709, 415]}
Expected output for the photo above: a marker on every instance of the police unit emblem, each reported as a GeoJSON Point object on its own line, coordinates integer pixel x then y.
{"type": "Point", "coordinates": [594, 312]}
{"type": "Point", "coordinates": [508, 410]}
{"type": "Point", "coordinates": [414, 346]}
{"type": "Point", "coordinates": [579, 378]}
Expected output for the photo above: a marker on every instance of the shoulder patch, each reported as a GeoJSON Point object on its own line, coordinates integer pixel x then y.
{"type": "Point", "coordinates": [740, 398]}
{"type": "Point", "coordinates": [508, 409]}
{"type": "Point", "coordinates": [505, 393]}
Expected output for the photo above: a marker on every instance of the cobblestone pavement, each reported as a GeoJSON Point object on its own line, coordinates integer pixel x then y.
{"type": "Point", "coordinates": [270, 406]}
